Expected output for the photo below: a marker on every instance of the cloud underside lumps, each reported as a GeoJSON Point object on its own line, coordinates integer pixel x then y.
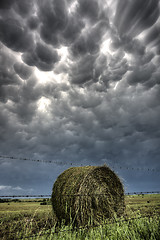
{"type": "Point", "coordinates": [137, 16]}
{"type": "Point", "coordinates": [104, 100]}
{"type": "Point", "coordinates": [38, 29]}
{"type": "Point", "coordinates": [42, 57]}
{"type": "Point", "coordinates": [86, 125]}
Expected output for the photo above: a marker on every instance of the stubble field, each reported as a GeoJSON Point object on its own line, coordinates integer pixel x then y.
{"type": "Point", "coordinates": [34, 219]}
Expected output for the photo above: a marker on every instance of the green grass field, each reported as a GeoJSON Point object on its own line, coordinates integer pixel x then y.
{"type": "Point", "coordinates": [22, 220]}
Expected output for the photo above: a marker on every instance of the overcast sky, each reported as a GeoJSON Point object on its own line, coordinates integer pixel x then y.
{"type": "Point", "coordinates": [80, 84]}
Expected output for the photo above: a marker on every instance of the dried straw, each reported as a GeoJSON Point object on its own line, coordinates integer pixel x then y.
{"type": "Point", "coordinates": [87, 194]}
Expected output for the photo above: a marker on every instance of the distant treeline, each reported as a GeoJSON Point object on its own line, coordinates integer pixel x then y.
{"type": "Point", "coordinates": [44, 201]}
{"type": "Point", "coordinates": [9, 200]}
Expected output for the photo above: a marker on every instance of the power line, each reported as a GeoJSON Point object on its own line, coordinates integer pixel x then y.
{"type": "Point", "coordinates": [26, 196]}
{"type": "Point", "coordinates": [74, 164]}
{"type": "Point", "coordinates": [141, 193]}
{"type": "Point", "coordinates": [49, 195]}
{"type": "Point", "coordinates": [103, 194]}
{"type": "Point", "coordinates": [136, 169]}
{"type": "Point", "coordinates": [33, 160]}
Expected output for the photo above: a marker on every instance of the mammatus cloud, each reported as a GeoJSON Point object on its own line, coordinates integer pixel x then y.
{"type": "Point", "coordinates": [42, 57]}
{"type": "Point", "coordinates": [137, 16]}
{"type": "Point", "coordinates": [79, 81]}
{"type": "Point", "coordinates": [22, 70]}
{"type": "Point", "coordinates": [14, 35]}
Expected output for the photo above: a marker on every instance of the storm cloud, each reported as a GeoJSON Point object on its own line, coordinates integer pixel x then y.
{"type": "Point", "coordinates": [14, 36]}
{"type": "Point", "coordinates": [42, 57]}
{"type": "Point", "coordinates": [80, 84]}
{"type": "Point", "coordinates": [137, 16]}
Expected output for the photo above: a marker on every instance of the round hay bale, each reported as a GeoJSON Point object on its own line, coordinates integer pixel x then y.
{"type": "Point", "coordinates": [87, 194]}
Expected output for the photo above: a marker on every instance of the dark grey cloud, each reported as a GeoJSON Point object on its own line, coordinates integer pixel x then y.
{"type": "Point", "coordinates": [153, 38]}
{"type": "Point", "coordinates": [8, 78]}
{"type": "Point", "coordinates": [133, 46]}
{"type": "Point", "coordinates": [141, 74]}
{"type": "Point", "coordinates": [82, 71]}
{"type": "Point", "coordinates": [14, 35]}
{"type": "Point", "coordinates": [73, 29]}
{"type": "Point", "coordinates": [53, 16]}
{"type": "Point", "coordinates": [153, 35]}
{"type": "Point", "coordinates": [94, 101]}
{"type": "Point", "coordinates": [24, 7]}
{"type": "Point", "coordinates": [6, 4]}
{"type": "Point", "coordinates": [24, 108]}
{"type": "Point", "coordinates": [79, 47]}
{"type": "Point", "coordinates": [42, 57]}
{"type": "Point", "coordinates": [90, 41]}
{"type": "Point", "coordinates": [89, 9]}
{"type": "Point", "coordinates": [33, 22]}
{"type": "Point", "coordinates": [22, 70]}
{"type": "Point", "coordinates": [134, 17]}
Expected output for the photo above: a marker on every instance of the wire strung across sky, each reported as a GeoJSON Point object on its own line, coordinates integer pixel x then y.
{"type": "Point", "coordinates": [73, 164]}
{"type": "Point", "coordinates": [33, 160]}
{"type": "Point", "coordinates": [49, 195]}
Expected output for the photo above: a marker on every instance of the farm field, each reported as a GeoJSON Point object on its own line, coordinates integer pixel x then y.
{"type": "Point", "coordinates": [31, 219]}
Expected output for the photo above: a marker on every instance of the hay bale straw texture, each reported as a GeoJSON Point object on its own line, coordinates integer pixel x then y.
{"type": "Point", "coordinates": [87, 194]}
